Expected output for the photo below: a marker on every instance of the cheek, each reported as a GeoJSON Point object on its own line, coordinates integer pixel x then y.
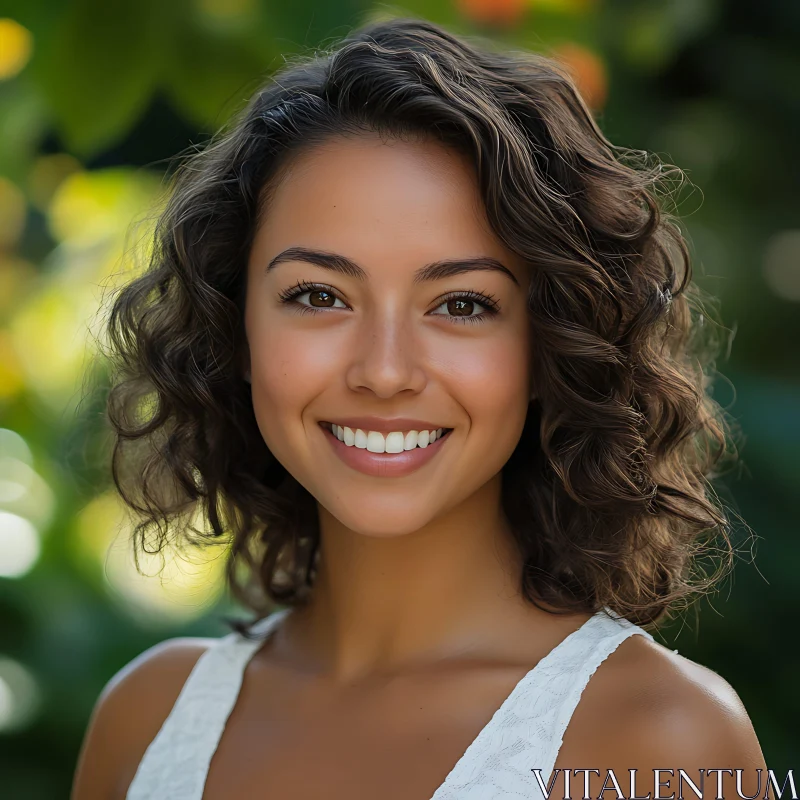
{"type": "Point", "coordinates": [489, 375]}
{"type": "Point", "coordinates": [490, 380]}
{"type": "Point", "coordinates": [288, 370]}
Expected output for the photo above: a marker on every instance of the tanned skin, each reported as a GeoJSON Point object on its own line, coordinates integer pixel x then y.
{"type": "Point", "coordinates": [416, 630]}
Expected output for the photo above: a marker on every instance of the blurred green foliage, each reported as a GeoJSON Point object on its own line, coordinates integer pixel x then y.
{"type": "Point", "coordinates": [97, 96]}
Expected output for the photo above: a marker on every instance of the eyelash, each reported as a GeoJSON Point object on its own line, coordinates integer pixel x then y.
{"type": "Point", "coordinates": [488, 301]}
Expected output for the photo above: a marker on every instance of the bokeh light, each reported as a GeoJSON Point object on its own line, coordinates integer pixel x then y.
{"type": "Point", "coordinates": [504, 13]}
{"type": "Point", "coordinates": [16, 45]}
{"type": "Point", "coordinates": [12, 380]}
{"type": "Point", "coordinates": [172, 586]}
{"type": "Point", "coordinates": [782, 264]}
{"type": "Point", "coordinates": [90, 208]}
{"type": "Point", "coordinates": [588, 71]}
{"type": "Point", "coordinates": [227, 14]}
{"type": "Point", "coordinates": [55, 330]}
{"type": "Point", "coordinates": [19, 545]}
{"type": "Point", "coordinates": [20, 696]}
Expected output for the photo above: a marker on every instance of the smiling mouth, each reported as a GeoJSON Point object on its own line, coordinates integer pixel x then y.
{"type": "Point", "coordinates": [395, 442]}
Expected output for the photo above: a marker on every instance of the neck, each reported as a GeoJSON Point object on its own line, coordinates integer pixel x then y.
{"type": "Point", "coordinates": [383, 603]}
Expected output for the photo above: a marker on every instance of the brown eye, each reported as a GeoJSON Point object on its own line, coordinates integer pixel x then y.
{"type": "Point", "coordinates": [311, 296]}
{"type": "Point", "coordinates": [325, 299]}
{"type": "Point", "coordinates": [463, 307]}
{"type": "Point", "coordinates": [460, 307]}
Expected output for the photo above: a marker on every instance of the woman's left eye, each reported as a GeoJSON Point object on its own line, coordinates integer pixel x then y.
{"type": "Point", "coordinates": [465, 308]}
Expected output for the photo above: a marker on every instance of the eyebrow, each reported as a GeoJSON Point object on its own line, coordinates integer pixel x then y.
{"type": "Point", "coordinates": [430, 272]}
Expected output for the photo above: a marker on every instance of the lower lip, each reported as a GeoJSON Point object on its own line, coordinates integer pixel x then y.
{"type": "Point", "coordinates": [384, 465]}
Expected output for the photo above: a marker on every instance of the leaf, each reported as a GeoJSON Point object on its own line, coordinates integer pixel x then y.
{"type": "Point", "coordinates": [208, 75]}
{"type": "Point", "coordinates": [23, 117]}
{"type": "Point", "coordinates": [98, 69]}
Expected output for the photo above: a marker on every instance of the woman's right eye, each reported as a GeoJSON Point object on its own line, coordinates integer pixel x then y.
{"type": "Point", "coordinates": [317, 296]}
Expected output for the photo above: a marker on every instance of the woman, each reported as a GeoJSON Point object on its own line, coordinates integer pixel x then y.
{"type": "Point", "coordinates": [423, 343]}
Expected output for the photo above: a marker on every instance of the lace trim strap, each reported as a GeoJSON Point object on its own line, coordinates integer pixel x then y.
{"type": "Point", "coordinates": [176, 762]}
{"type": "Point", "coordinates": [593, 659]}
{"type": "Point", "coordinates": [527, 730]}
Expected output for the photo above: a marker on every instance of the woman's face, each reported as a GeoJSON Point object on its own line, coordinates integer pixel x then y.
{"type": "Point", "coordinates": [379, 300]}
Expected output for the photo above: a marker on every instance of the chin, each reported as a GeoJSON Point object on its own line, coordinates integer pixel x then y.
{"type": "Point", "coordinates": [381, 520]}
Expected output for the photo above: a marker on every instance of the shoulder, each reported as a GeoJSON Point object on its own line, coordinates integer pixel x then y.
{"type": "Point", "coordinates": [129, 713]}
{"type": "Point", "coordinates": [648, 708]}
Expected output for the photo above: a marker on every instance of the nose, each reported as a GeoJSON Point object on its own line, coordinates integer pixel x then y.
{"type": "Point", "coordinates": [387, 356]}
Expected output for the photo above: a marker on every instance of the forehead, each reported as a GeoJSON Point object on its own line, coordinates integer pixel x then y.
{"type": "Point", "coordinates": [404, 202]}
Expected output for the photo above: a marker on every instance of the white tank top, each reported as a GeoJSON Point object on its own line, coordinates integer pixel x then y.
{"type": "Point", "coordinates": [523, 735]}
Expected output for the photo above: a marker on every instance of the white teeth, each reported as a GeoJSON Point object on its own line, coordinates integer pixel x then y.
{"type": "Point", "coordinates": [377, 442]}
{"type": "Point", "coordinates": [394, 442]}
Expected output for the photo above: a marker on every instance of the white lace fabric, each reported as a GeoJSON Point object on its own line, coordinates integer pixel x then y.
{"type": "Point", "coordinates": [525, 733]}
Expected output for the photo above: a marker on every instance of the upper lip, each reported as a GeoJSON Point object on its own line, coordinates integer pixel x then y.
{"type": "Point", "coordinates": [385, 424]}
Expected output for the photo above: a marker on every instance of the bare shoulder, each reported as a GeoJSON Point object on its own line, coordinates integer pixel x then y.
{"type": "Point", "coordinates": [648, 708]}
{"type": "Point", "coordinates": [129, 713]}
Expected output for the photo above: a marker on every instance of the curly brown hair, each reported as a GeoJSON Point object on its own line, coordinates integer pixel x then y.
{"type": "Point", "coordinates": [608, 492]}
